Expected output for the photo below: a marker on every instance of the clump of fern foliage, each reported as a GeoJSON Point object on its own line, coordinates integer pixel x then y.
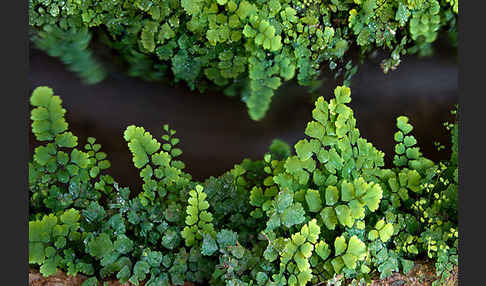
{"type": "Point", "coordinates": [299, 216]}
{"type": "Point", "coordinates": [246, 48]}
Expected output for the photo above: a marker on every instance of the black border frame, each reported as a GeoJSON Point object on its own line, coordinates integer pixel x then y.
{"type": "Point", "coordinates": [14, 116]}
{"type": "Point", "coordinates": [471, 61]}
{"type": "Point", "coordinates": [16, 155]}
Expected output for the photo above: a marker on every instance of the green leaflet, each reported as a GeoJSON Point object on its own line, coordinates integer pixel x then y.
{"type": "Point", "coordinates": [313, 200]}
{"type": "Point", "coordinates": [198, 219]}
{"type": "Point", "coordinates": [266, 36]}
{"type": "Point", "coordinates": [299, 249]}
{"type": "Point", "coordinates": [209, 245]}
{"type": "Point", "coordinates": [148, 35]}
{"type": "Point", "coordinates": [354, 198]}
{"type": "Point", "coordinates": [48, 115]}
{"type": "Point", "coordinates": [382, 230]}
{"type": "Point", "coordinates": [284, 211]}
{"type": "Point", "coordinates": [141, 144]}
{"type": "Point", "coordinates": [99, 246]}
{"type": "Point", "coordinates": [348, 253]}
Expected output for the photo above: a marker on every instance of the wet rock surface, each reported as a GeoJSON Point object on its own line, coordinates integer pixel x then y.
{"type": "Point", "coordinates": [216, 131]}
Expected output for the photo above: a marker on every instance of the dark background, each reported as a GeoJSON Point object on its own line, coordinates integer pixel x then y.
{"type": "Point", "coordinates": [216, 131]}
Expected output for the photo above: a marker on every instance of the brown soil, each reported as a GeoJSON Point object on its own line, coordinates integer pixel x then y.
{"type": "Point", "coordinates": [422, 274]}
{"type": "Point", "coordinates": [61, 279]}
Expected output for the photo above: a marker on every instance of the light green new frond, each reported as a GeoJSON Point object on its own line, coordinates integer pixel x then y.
{"type": "Point", "coordinates": [48, 115]}
{"type": "Point", "coordinates": [141, 144]}
{"type": "Point", "coordinates": [346, 205]}
{"type": "Point", "coordinates": [305, 149]}
{"type": "Point", "coordinates": [41, 230]}
{"type": "Point", "coordinates": [198, 219]}
{"type": "Point", "coordinates": [406, 151]}
{"type": "Point", "coordinates": [342, 94]}
{"type": "Point", "coordinates": [164, 172]}
{"type": "Point", "coordinates": [50, 235]}
{"type": "Point", "coordinates": [294, 259]}
{"type": "Point", "coordinates": [347, 254]}
{"type": "Point", "coordinates": [399, 186]}
{"type": "Point", "coordinates": [382, 230]}
{"type": "Point", "coordinates": [322, 249]}
{"type": "Point", "coordinates": [335, 143]}
{"type": "Point", "coordinates": [71, 217]}
{"type": "Point", "coordinates": [266, 36]}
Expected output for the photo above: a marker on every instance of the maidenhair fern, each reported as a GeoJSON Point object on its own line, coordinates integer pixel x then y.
{"type": "Point", "coordinates": [330, 209]}
{"type": "Point", "coordinates": [247, 48]}
{"type": "Point", "coordinates": [198, 219]}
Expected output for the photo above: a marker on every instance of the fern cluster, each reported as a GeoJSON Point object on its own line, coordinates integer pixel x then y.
{"type": "Point", "coordinates": [244, 47]}
{"type": "Point", "coordinates": [290, 219]}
